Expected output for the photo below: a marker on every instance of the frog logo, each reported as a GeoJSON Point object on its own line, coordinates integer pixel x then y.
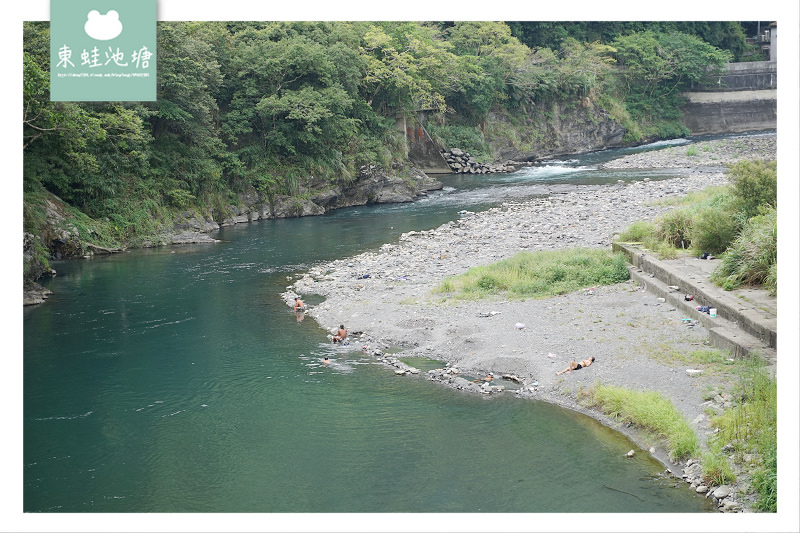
{"type": "Point", "coordinates": [103, 27]}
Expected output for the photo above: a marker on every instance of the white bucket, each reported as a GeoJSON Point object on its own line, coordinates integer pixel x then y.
{"type": "Point", "coordinates": [712, 311]}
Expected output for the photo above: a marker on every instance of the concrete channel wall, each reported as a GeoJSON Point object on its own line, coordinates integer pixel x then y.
{"type": "Point", "coordinates": [745, 98]}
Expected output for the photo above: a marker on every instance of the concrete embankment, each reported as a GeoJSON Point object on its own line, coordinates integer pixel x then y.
{"type": "Point", "coordinates": [744, 98]}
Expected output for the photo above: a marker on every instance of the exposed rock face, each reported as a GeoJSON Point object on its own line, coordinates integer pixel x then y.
{"type": "Point", "coordinates": [554, 129]}
{"type": "Point", "coordinates": [375, 185]}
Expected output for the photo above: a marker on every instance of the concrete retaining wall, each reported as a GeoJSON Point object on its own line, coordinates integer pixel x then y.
{"type": "Point", "coordinates": [728, 308]}
{"type": "Point", "coordinates": [730, 112]}
{"type": "Point", "coordinates": [752, 76]}
{"type": "Point", "coordinates": [745, 98]}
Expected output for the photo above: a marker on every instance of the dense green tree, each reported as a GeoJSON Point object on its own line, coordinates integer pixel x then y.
{"type": "Point", "coordinates": [727, 35]}
{"type": "Point", "coordinates": [655, 67]}
{"type": "Point", "coordinates": [409, 67]}
{"type": "Point", "coordinates": [187, 153]}
{"type": "Point", "coordinates": [277, 105]}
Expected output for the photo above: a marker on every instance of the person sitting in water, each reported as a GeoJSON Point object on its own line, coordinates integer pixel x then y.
{"type": "Point", "coordinates": [488, 378]}
{"type": "Point", "coordinates": [577, 366]}
{"type": "Point", "coordinates": [299, 305]}
{"type": "Point", "coordinates": [341, 335]}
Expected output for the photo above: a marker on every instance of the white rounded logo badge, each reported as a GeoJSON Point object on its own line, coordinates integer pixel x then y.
{"type": "Point", "coordinates": [103, 27]}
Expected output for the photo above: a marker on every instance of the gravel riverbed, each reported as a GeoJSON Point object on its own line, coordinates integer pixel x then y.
{"type": "Point", "coordinates": [387, 296]}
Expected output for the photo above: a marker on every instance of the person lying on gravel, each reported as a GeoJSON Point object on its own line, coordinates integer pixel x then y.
{"type": "Point", "coordinates": [577, 366]}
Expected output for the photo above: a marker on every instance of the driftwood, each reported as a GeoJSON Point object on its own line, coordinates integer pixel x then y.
{"type": "Point", "coordinates": [103, 249]}
{"type": "Point", "coordinates": [625, 492]}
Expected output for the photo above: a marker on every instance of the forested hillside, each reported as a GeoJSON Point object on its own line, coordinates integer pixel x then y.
{"type": "Point", "coordinates": [267, 108]}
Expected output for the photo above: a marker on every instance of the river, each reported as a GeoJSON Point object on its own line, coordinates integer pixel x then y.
{"type": "Point", "coordinates": [176, 380]}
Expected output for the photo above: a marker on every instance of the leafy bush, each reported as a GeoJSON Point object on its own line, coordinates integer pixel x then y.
{"type": "Point", "coordinates": [755, 184]}
{"type": "Point", "coordinates": [180, 198]}
{"type": "Point", "coordinates": [714, 227]}
{"type": "Point", "coordinates": [752, 257]}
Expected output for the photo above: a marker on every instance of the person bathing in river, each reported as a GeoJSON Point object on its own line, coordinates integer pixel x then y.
{"type": "Point", "coordinates": [341, 335]}
{"type": "Point", "coordinates": [577, 366]}
{"type": "Point", "coordinates": [487, 379]}
{"type": "Point", "coordinates": [299, 305]}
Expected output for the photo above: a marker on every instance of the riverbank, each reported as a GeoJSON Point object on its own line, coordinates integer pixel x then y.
{"type": "Point", "coordinates": [388, 295]}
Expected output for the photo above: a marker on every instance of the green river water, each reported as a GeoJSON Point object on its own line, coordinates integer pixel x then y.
{"type": "Point", "coordinates": [176, 380]}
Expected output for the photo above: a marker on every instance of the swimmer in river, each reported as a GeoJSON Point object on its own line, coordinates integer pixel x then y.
{"type": "Point", "coordinates": [325, 361]}
{"type": "Point", "coordinates": [487, 379]}
{"type": "Point", "coordinates": [577, 366]}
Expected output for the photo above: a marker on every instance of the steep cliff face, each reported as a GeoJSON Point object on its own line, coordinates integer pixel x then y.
{"type": "Point", "coordinates": [552, 129]}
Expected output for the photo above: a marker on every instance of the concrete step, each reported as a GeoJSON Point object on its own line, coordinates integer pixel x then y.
{"type": "Point", "coordinates": [745, 321]}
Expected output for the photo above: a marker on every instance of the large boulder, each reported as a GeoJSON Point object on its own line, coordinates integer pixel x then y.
{"type": "Point", "coordinates": [293, 207]}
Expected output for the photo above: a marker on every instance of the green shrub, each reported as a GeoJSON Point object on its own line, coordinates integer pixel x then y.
{"type": "Point", "coordinates": [765, 482]}
{"type": "Point", "coordinates": [752, 257]}
{"type": "Point", "coordinates": [716, 467]}
{"type": "Point", "coordinates": [714, 228]}
{"type": "Point", "coordinates": [467, 138]}
{"type": "Point", "coordinates": [755, 184]}
{"type": "Point", "coordinates": [180, 198]}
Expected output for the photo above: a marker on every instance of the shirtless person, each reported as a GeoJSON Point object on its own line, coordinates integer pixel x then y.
{"type": "Point", "coordinates": [341, 335]}
{"type": "Point", "coordinates": [577, 366]}
{"type": "Point", "coordinates": [299, 305]}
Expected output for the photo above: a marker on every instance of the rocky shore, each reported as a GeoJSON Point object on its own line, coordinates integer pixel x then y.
{"type": "Point", "coordinates": [387, 298]}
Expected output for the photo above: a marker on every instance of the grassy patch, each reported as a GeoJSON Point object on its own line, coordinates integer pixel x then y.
{"type": "Point", "coordinates": [750, 427]}
{"type": "Point", "coordinates": [650, 411]}
{"type": "Point", "coordinates": [539, 274]}
{"type": "Point", "coordinates": [706, 359]}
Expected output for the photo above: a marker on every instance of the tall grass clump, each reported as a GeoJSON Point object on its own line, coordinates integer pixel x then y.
{"type": "Point", "coordinates": [752, 257]}
{"type": "Point", "coordinates": [641, 231]}
{"type": "Point", "coordinates": [646, 234]}
{"type": "Point", "coordinates": [751, 427]}
{"type": "Point", "coordinates": [648, 410]}
{"type": "Point", "coordinates": [539, 274]}
{"type": "Point", "coordinates": [675, 227]}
